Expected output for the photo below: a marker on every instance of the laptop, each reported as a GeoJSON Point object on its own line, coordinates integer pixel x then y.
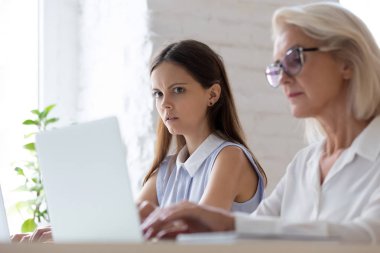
{"type": "Point", "coordinates": [4, 230]}
{"type": "Point", "coordinates": [86, 182]}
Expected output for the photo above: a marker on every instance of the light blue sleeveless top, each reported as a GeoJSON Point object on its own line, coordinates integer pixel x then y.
{"type": "Point", "coordinates": [178, 181]}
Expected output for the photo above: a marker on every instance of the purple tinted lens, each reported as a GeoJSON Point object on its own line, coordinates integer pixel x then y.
{"type": "Point", "coordinates": [273, 75]}
{"type": "Point", "coordinates": [292, 62]}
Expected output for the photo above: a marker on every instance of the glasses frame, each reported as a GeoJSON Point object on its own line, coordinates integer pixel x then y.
{"type": "Point", "coordinates": [280, 67]}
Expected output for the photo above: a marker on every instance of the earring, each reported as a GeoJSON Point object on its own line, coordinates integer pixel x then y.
{"type": "Point", "coordinates": [210, 103]}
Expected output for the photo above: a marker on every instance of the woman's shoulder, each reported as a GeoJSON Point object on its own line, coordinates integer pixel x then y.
{"type": "Point", "coordinates": [306, 155]}
{"type": "Point", "coordinates": [309, 150]}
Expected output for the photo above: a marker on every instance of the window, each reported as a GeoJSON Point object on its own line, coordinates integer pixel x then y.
{"type": "Point", "coordinates": [18, 89]}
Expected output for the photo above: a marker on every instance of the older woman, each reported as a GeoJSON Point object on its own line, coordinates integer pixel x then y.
{"type": "Point", "coordinates": [328, 66]}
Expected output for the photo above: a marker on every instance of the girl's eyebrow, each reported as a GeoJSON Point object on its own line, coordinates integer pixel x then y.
{"type": "Point", "coordinates": [171, 86]}
{"type": "Point", "coordinates": [174, 84]}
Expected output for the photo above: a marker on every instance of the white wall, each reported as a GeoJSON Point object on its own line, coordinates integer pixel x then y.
{"type": "Point", "coordinates": [95, 56]}
{"type": "Point", "coordinates": [59, 61]}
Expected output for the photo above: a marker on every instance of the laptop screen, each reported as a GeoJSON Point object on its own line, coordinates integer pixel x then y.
{"type": "Point", "coordinates": [86, 183]}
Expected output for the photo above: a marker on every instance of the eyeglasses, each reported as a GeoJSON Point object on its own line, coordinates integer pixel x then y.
{"type": "Point", "coordinates": [291, 65]}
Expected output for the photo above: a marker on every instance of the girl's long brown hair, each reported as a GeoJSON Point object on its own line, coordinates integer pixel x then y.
{"type": "Point", "coordinates": [207, 68]}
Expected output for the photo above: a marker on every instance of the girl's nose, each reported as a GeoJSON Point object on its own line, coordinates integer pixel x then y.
{"type": "Point", "coordinates": [166, 103]}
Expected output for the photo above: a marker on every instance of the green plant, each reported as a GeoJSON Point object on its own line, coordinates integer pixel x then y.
{"type": "Point", "coordinates": [30, 171]}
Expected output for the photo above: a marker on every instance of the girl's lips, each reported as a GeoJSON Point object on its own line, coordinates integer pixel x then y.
{"type": "Point", "coordinates": [170, 118]}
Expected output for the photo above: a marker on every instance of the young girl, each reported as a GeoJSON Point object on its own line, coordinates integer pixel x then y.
{"type": "Point", "coordinates": [212, 164]}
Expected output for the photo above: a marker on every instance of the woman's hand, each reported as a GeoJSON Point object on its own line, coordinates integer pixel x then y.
{"type": "Point", "coordinates": [19, 238]}
{"type": "Point", "coordinates": [40, 235]}
{"type": "Point", "coordinates": [186, 217]}
{"type": "Point", "coordinates": [145, 209]}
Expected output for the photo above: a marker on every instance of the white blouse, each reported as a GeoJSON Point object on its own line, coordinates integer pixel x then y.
{"type": "Point", "coordinates": [345, 206]}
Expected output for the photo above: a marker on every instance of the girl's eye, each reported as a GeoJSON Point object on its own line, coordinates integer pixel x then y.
{"type": "Point", "coordinates": [156, 94]}
{"type": "Point", "coordinates": [179, 90]}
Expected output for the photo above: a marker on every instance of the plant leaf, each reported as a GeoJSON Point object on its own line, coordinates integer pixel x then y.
{"type": "Point", "coordinates": [35, 188]}
{"type": "Point", "coordinates": [31, 165]}
{"type": "Point", "coordinates": [29, 135]}
{"type": "Point", "coordinates": [36, 112]}
{"type": "Point", "coordinates": [29, 225]}
{"type": "Point", "coordinates": [46, 111]}
{"type": "Point", "coordinates": [19, 171]}
{"type": "Point", "coordinates": [30, 122]}
{"type": "Point", "coordinates": [45, 215]}
{"type": "Point", "coordinates": [30, 146]}
{"type": "Point", "coordinates": [52, 120]}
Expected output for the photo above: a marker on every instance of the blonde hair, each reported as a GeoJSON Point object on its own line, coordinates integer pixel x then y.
{"type": "Point", "coordinates": [349, 40]}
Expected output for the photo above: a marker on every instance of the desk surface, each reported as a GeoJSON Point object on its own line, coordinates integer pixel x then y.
{"type": "Point", "coordinates": [267, 246]}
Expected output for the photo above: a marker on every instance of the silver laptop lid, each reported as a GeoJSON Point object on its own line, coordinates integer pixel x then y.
{"type": "Point", "coordinates": [86, 182]}
{"type": "Point", "coordinates": [4, 230]}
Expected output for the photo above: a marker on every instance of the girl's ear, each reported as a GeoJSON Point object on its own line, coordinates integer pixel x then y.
{"type": "Point", "coordinates": [214, 93]}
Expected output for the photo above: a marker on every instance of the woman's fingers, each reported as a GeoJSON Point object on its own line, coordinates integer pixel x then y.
{"type": "Point", "coordinates": [46, 237]}
{"type": "Point", "coordinates": [145, 209]}
{"type": "Point", "coordinates": [197, 218]}
{"type": "Point", "coordinates": [172, 229]}
{"type": "Point", "coordinates": [168, 220]}
{"type": "Point", "coordinates": [17, 237]}
{"type": "Point", "coordinates": [25, 239]}
{"type": "Point", "coordinates": [41, 234]}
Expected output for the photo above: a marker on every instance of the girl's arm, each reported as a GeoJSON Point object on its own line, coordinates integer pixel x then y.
{"type": "Point", "coordinates": [232, 179]}
{"type": "Point", "coordinates": [148, 191]}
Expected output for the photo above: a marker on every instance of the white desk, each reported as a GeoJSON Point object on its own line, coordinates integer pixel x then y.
{"type": "Point", "coordinates": [264, 246]}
